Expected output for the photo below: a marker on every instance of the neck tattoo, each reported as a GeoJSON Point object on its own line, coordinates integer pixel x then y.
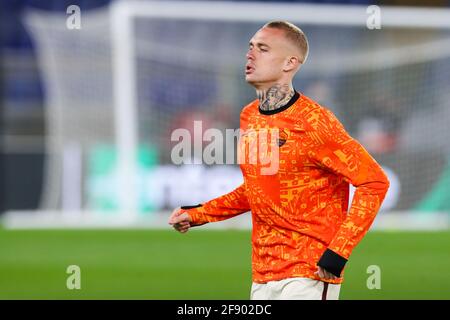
{"type": "Point", "coordinates": [275, 97]}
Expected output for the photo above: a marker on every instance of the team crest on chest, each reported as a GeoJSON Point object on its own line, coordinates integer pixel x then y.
{"type": "Point", "coordinates": [283, 135]}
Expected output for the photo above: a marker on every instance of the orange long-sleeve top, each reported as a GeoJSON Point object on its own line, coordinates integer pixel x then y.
{"type": "Point", "coordinates": [299, 204]}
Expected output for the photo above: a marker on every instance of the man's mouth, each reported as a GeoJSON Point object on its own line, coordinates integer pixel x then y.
{"type": "Point", "coordinates": [249, 69]}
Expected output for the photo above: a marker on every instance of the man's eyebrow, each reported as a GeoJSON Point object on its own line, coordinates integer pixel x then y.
{"type": "Point", "coordinates": [259, 44]}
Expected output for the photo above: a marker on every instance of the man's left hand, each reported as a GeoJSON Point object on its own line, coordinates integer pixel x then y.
{"type": "Point", "coordinates": [324, 274]}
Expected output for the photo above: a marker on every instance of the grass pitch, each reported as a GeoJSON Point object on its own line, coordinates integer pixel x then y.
{"type": "Point", "coordinates": [202, 264]}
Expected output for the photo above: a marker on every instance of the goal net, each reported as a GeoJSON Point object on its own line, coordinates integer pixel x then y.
{"type": "Point", "coordinates": [117, 88]}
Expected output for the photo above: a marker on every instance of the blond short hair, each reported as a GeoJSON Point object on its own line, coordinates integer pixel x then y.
{"type": "Point", "coordinates": [294, 34]}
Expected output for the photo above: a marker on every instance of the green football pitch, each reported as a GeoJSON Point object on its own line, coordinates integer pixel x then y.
{"type": "Point", "coordinates": [202, 264]}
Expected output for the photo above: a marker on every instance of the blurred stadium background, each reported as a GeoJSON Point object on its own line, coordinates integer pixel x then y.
{"type": "Point", "coordinates": [86, 117]}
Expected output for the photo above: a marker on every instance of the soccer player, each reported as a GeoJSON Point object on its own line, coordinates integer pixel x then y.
{"type": "Point", "coordinates": [303, 231]}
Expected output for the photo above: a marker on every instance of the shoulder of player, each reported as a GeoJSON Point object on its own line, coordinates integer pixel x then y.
{"type": "Point", "coordinates": [314, 115]}
{"type": "Point", "coordinates": [250, 107]}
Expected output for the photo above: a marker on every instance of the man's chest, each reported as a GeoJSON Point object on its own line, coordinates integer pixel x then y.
{"type": "Point", "coordinates": [273, 146]}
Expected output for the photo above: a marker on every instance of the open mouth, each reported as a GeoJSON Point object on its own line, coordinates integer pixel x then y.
{"type": "Point", "coordinates": [249, 69]}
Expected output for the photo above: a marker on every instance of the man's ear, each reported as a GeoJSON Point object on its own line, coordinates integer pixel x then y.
{"type": "Point", "coordinates": [292, 63]}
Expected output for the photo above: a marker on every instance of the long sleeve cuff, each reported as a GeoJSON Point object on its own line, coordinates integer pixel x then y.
{"type": "Point", "coordinates": [190, 207]}
{"type": "Point", "coordinates": [332, 262]}
{"type": "Point", "coordinates": [193, 215]}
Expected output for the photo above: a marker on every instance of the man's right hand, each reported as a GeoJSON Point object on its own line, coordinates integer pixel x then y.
{"type": "Point", "coordinates": [180, 220]}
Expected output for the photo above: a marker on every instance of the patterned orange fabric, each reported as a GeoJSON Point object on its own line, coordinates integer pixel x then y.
{"type": "Point", "coordinates": [302, 209]}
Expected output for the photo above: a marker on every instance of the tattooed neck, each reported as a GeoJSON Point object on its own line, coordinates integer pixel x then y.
{"type": "Point", "coordinates": [275, 97]}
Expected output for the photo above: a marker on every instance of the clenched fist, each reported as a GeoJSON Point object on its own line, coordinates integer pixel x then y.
{"type": "Point", "coordinates": [180, 220]}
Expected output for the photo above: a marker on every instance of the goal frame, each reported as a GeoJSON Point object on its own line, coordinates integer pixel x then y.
{"type": "Point", "coordinates": [122, 14]}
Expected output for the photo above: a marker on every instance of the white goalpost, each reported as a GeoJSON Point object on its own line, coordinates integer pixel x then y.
{"type": "Point", "coordinates": [123, 13]}
{"type": "Point", "coordinates": [138, 68]}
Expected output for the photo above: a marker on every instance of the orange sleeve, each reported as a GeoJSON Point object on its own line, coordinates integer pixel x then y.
{"type": "Point", "coordinates": [335, 150]}
{"type": "Point", "coordinates": [221, 208]}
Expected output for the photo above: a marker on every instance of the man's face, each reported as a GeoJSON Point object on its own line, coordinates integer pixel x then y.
{"type": "Point", "coordinates": [266, 57]}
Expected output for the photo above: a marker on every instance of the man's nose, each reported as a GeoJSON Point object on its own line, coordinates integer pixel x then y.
{"type": "Point", "coordinates": [249, 54]}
